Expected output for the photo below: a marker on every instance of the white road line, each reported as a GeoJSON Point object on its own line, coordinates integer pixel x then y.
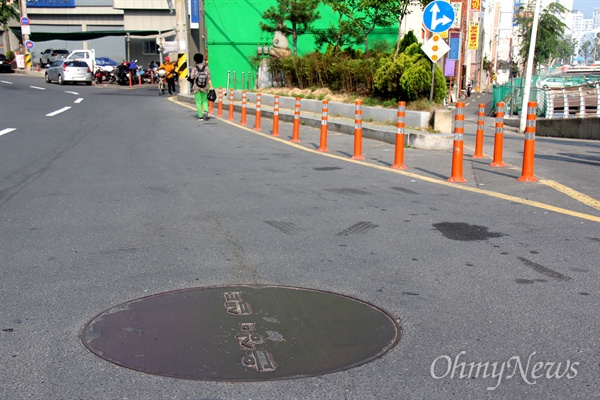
{"type": "Point", "coordinates": [7, 82]}
{"type": "Point", "coordinates": [75, 93]}
{"type": "Point", "coordinates": [37, 87]}
{"type": "Point", "coordinates": [79, 100]}
{"type": "Point", "coordinates": [7, 130]}
{"type": "Point", "coordinates": [52, 114]}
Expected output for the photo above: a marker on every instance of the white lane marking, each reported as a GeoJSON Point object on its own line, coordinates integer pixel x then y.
{"type": "Point", "coordinates": [75, 93]}
{"type": "Point", "coordinates": [52, 114]}
{"type": "Point", "coordinates": [37, 87]}
{"type": "Point", "coordinates": [7, 130]}
{"type": "Point", "coordinates": [7, 82]}
{"type": "Point", "coordinates": [79, 100]}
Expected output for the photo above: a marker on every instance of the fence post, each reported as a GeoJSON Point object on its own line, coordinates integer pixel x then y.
{"type": "Point", "coordinates": [324, 121]}
{"type": "Point", "coordinates": [581, 102]}
{"type": "Point", "coordinates": [399, 149]}
{"type": "Point", "coordinates": [549, 104]}
{"type": "Point", "coordinates": [598, 102]}
{"type": "Point", "coordinates": [479, 133]}
{"type": "Point", "coordinates": [275, 131]}
{"type": "Point", "coordinates": [499, 137]}
{"type": "Point", "coordinates": [457, 153]}
{"type": "Point", "coordinates": [296, 130]}
{"type": "Point", "coordinates": [358, 131]}
{"type": "Point", "coordinates": [529, 147]}
{"type": "Point", "coordinates": [566, 106]}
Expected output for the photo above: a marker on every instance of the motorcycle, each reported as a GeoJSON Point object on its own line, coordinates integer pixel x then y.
{"type": "Point", "coordinates": [98, 76]}
{"type": "Point", "coordinates": [122, 73]}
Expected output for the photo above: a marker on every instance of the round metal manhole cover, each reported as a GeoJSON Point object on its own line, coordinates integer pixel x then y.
{"type": "Point", "coordinates": [241, 333]}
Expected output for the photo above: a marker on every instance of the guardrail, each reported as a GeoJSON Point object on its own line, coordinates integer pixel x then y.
{"type": "Point", "coordinates": [576, 101]}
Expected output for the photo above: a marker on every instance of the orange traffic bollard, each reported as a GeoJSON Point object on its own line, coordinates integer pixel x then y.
{"type": "Point", "coordinates": [358, 131]}
{"type": "Point", "coordinates": [528, 152]}
{"type": "Point", "coordinates": [243, 120]}
{"type": "Point", "coordinates": [479, 134]}
{"type": "Point", "coordinates": [499, 137]}
{"type": "Point", "coordinates": [399, 153]}
{"type": "Point", "coordinates": [257, 115]}
{"type": "Point", "coordinates": [457, 153]}
{"type": "Point", "coordinates": [296, 131]}
{"type": "Point", "coordinates": [130, 82]}
{"type": "Point", "coordinates": [230, 116]}
{"type": "Point", "coordinates": [220, 106]}
{"type": "Point", "coordinates": [324, 120]}
{"type": "Point", "coordinates": [275, 131]}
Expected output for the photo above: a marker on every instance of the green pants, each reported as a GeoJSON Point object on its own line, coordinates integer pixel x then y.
{"type": "Point", "coordinates": [201, 103]}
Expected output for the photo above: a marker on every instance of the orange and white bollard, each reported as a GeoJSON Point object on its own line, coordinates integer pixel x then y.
{"type": "Point", "coordinates": [275, 131]}
{"type": "Point", "coordinates": [37, 68]}
{"type": "Point", "coordinates": [130, 82]}
{"type": "Point", "coordinates": [457, 154]}
{"type": "Point", "coordinates": [220, 106]}
{"type": "Point", "coordinates": [139, 79]}
{"type": "Point", "coordinates": [358, 131]}
{"type": "Point", "coordinates": [230, 116]}
{"type": "Point", "coordinates": [324, 122]}
{"type": "Point", "coordinates": [257, 115]}
{"type": "Point", "coordinates": [529, 150]}
{"type": "Point", "coordinates": [296, 130]}
{"type": "Point", "coordinates": [479, 134]}
{"type": "Point", "coordinates": [499, 137]}
{"type": "Point", "coordinates": [243, 119]}
{"type": "Point", "coordinates": [400, 124]}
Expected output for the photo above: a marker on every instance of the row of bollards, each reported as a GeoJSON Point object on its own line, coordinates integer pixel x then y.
{"type": "Point", "coordinates": [458, 131]}
{"type": "Point", "coordinates": [529, 145]}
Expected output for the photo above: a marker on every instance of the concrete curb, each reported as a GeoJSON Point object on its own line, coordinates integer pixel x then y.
{"type": "Point", "coordinates": [342, 121]}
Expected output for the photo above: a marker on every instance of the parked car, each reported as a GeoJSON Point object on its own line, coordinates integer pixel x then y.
{"type": "Point", "coordinates": [554, 82]}
{"type": "Point", "coordinates": [48, 56]}
{"type": "Point", "coordinates": [65, 71]}
{"type": "Point", "coordinates": [5, 65]}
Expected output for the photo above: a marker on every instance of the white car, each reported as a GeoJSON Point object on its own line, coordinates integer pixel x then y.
{"type": "Point", "coordinates": [48, 56]}
{"type": "Point", "coordinates": [69, 71]}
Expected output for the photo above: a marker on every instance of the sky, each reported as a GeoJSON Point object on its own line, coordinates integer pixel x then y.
{"type": "Point", "coordinates": [587, 6]}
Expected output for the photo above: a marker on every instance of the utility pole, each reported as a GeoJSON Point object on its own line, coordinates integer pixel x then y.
{"type": "Point", "coordinates": [529, 72]}
{"type": "Point", "coordinates": [25, 37]}
{"type": "Point", "coordinates": [181, 38]}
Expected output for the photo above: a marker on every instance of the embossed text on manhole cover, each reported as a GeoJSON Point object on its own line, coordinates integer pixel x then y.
{"type": "Point", "coordinates": [241, 333]}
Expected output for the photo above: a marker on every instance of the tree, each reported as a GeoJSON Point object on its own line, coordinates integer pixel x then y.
{"type": "Point", "coordinates": [8, 11]}
{"type": "Point", "coordinates": [337, 36]}
{"type": "Point", "coordinates": [565, 50]}
{"type": "Point", "coordinates": [361, 17]}
{"type": "Point", "coordinates": [402, 11]}
{"type": "Point", "coordinates": [300, 14]}
{"type": "Point", "coordinates": [550, 32]}
{"type": "Point", "coordinates": [586, 50]}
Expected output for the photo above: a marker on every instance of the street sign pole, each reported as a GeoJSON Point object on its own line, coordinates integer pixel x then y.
{"type": "Point", "coordinates": [433, 64]}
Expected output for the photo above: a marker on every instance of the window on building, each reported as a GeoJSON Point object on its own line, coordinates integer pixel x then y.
{"type": "Point", "coordinates": [149, 47]}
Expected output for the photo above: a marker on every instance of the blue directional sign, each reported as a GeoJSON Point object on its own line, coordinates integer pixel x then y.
{"type": "Point", "coordinates": [438, 16]}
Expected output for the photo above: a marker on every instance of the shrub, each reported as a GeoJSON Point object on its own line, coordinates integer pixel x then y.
{"type": "Point", "coordinates": [10, 55]}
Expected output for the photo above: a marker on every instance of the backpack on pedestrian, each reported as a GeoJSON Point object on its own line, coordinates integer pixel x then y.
{"type": "Point", "coordinates": [201, 77]}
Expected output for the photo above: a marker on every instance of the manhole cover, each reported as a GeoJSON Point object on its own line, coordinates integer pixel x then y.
{"type": "Point", "coordinates": [241, 333]}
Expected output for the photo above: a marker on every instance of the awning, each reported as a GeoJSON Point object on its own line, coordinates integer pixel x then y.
{"type": "Point", "coordinates": [88, 35]}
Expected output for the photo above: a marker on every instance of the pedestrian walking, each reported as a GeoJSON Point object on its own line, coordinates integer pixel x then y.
{"type": "Point", "coordinates": [169, 74]}
{"type": "Point", "coordinates": [201, 84]}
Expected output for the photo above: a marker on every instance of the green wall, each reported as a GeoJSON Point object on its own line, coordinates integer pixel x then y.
{"type": "Point", "coordinates": [233, 35]}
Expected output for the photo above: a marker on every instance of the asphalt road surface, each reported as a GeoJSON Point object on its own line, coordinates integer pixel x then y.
{"type": "Point", "coordinates": [109, 194]}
